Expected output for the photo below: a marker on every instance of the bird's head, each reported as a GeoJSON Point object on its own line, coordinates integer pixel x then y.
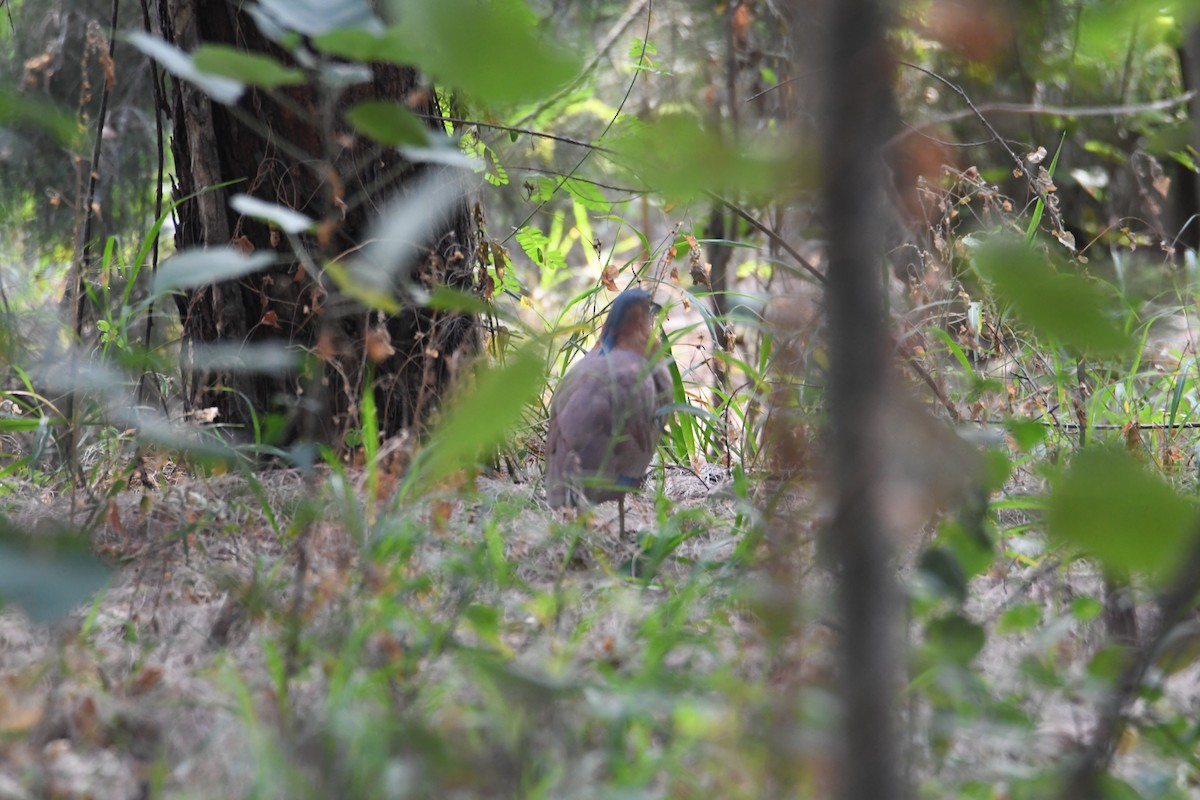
{"type": "Point", "coordinates": [629, 324]}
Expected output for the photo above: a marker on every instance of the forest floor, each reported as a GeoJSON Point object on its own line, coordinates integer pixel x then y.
{"type": "Point", "coordinates": [263, 641]}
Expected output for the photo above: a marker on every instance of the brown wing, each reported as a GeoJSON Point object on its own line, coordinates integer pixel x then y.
{"type": "Point", "coordinates": [602, 428]}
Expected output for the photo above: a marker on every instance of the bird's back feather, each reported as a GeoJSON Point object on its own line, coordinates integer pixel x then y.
{"type": "Point", "coordinates": [604, 426]}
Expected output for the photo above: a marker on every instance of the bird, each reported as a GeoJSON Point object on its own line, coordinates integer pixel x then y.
{"type": "Point", "coordinates": [608, 411]}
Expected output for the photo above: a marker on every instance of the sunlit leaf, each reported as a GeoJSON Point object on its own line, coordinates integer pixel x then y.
{"type": "Point", "coordinates": [588, 195]}
{"type": "Point", "coordinates": [365, 45]}
{"type": "Point", "coordinates": [253, 69]}
{"type": "Point", "coordinates": [204, 265]}
{"type": "Point", "coordinates": [445, 298]}
{"type": "Point", "coordinates": [481, 418]}
{"type": "Point", "coordinates": [491, 50]}
{"type": "Point", "coordinates": [1057, 304]}
{"type": "Point", "coordinates": [288, 220]}
{"type": "Point", "coordinates": [181, 65]}
{"type": "Point", "coordinates": [1020, 618]}
{"type": "Point", "coordinates": [1115, 509]}
{"type": "Point", "coordinates": [537, 246]}
{"type": "Point", "coordinates": [677, 155]}
{"type": "Point", "coordinates": [388, 123]}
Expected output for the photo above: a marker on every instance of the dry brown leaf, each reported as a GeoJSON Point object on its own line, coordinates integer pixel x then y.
{"type": "Point", "coordinates": [609, 278]}
{"type": "Point", "coordinates": [379, 344]}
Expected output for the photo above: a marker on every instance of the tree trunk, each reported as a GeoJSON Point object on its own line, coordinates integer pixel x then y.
{"type": "Point", "coordinates": [297, 152]}
{"type": "Point", "coordinates": [858, 119]}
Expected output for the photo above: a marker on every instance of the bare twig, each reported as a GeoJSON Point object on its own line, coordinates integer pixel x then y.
{"type": "Point", "coordinates": [771, 234]}
{"type": "Point", "coordinates": [1018, 162]}
{"type": "Point", "coordinates": [616, 115]}
{"type": "Point", "coordinates": [1093, 761]}
{"type": "Point", "coordinates": [1125, 109]}
{"type": "Point", "coordinates": [624, 21]}
{"type": "Point", "coordinates": [160, 106]}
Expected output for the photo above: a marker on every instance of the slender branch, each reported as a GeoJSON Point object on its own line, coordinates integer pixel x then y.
{"type": "Point", "coordinates": [515, 129]}
{"type": "Point", "coordinates": [1127, 109]}
{"type": "Point", "coordinates": [771, 234]}
{"type": "Point", "coordinates": [1017, 160]}
{"type": "Point", "coordinates": [624, 21]}
{"type": "Point", "coordinates": [616, 115]}
{"type": "Point", "coordinates": [85, 236]}
{"type": "Point", "coordinates": [160, 105]}
{"type": "Point", "coordinates": [1093, 761]}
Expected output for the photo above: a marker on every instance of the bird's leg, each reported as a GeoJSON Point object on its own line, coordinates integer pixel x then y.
{"type": "Point", "coordinates": [621, 514]}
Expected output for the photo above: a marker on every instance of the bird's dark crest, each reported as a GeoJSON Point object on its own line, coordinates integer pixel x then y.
{"type": "Point", "coordinates": [616, 315]}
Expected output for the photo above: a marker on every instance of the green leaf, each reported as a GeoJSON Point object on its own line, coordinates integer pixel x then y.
{"type": "Point", "coordinates": [537, 246]}
{"type": "Point", "coordinates": [588, 195]}
{"type": "Point", "coordinates": [944, 574]}
{"type": "Point", "coordinates": [351, 284]}
{"type": "Point", "coordinates": [363, 45]}
{"type": "Point", "coordinates": [252, 69]}
{"type": "Point", "coordinates": [204, 265]}
{"type": "Point", "coordinates": [481, 418]}
{"type": "Point", "coordinates": [676, 155]}
{"type": "Point", "coordinates": [1107, 662]}
{"type": "Point", "coordinates": [1020, 618]}
{"type": "Point", "coordinates": [445, 298]}
{"type": "Point", "coordinates": [1086, 609]}
{"type": "Point", "coordinates": [485, 620]}
{"type": "Point", "coordinates": [17, 107]}
{"type": "Point", "coordinates": [969, 544]}
{"type": "Point", "coordinates": [955, 639]}
{"type": "Point", "coordinates": [388, 123]}
{"type": "Point", "coordinates": [1056, 304]}
{"type": "Point", "coordinates": [1026, 434]}
{"type": "Point", "coordinates": [1112, 507]}
{"type": "Point", "coordinates": [491, 50]}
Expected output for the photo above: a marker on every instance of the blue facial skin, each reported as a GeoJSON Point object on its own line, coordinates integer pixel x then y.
{"type": "Point", "coordinates": [616, 316]}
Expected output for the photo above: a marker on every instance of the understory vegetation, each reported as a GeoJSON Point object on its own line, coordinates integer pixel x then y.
{"type": "Point", "coordinates": [195, 608]}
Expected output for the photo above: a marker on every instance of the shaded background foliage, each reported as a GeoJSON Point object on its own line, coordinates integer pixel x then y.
{"type": "Point", "coordinates": [59, 52]}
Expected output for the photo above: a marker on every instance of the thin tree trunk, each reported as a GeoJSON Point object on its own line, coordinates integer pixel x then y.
{"type": "Point", "coordinates": [858, 117]}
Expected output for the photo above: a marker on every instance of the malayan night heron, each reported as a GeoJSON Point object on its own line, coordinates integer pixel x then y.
{"type": "Point", "coordinates": [607, 415]}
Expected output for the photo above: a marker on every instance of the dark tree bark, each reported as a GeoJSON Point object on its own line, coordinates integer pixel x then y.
{"type": "Point", "coordinates": [298, 152]}
{"type": "Point", "coordinates": [858, 117]}
{"type": "Point", "coordinates": [1187, 194]}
